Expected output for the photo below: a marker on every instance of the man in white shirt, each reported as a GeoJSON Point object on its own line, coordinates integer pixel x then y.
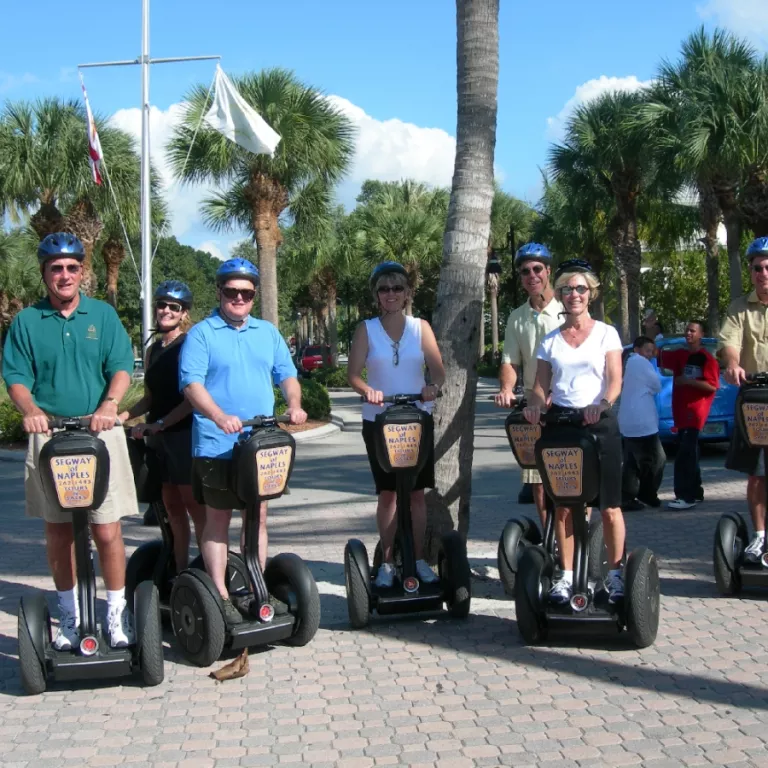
{"type": "Point", "coordinates": [644, 457]}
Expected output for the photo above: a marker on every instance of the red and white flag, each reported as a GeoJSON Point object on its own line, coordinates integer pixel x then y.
{"type": "Point", "coordinates": [95, 155]}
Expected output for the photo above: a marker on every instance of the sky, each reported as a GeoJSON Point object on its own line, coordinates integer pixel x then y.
{"type": "Point", "coordinates": [389, 64]}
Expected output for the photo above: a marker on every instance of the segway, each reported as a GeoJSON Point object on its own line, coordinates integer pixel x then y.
{"type": "Point", "coordinates": [732, 570]}
{"type": "Point", "coordinates": [262, 462]}
{"type": "Point", "coordinates": [74, 468]}
{"type": "Point", "coordinates": [404, 434]}
{"type": "Point", "coordinates": [155, 561]}
{"type": "Point", "coordinates": [568, 461]}
{"type": "Point", "coordinates": [523, 531]}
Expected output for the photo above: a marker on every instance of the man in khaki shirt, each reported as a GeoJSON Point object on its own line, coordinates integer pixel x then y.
{"type": "Point", "coordinates": [526, 327]}
{"type": "Point", "coordinates": [743, 348]}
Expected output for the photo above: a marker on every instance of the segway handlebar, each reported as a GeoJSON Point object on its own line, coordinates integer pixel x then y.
{"type": "Point", "coordinates": [400, 399]}
{"type": "Point", "coordinates": [266, 421]}
{"type": "Point", "coordinates": [757, 378]}
{"type": "Point", "coordinates": [73, 423]}
{"type": "Point", "coordinates": [519, 393]}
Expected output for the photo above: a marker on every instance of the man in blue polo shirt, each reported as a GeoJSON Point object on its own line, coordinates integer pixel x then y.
{"type": "Point", "coordinates": [227, 368]}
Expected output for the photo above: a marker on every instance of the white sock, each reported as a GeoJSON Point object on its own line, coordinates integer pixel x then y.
{"type": "Point", "coordinates": [760, 534]}
{"type": "Point", "coordinates": [567, 577]}
{"type": "Point", "coordinates": [115, 599]}
{"type": "Point", "coordinates": [68, 602]}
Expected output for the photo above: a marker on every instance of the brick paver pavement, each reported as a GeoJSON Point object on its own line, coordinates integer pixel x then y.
{"type": "Point", "coordinates": [419, 692]}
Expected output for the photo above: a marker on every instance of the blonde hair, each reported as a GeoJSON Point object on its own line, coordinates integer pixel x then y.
{"type": "Point", "coordinates": [390, 278]}
{"type": "Point", "coordinates": [589, 277]}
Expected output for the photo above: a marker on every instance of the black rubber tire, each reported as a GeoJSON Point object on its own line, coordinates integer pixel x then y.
{"type": "Point", "coordinates": [453, 567]}
{"type": "Point", "coordinates": [197, 620]}
{"type": "Point", "coordinates": [729, 540]}
{"type": "Point", "coordinates": [149, 633]}
{"type": "Point", "coordinates": [31, 667]}
{"type": "Point", "coordinates": [141, 567]}
{"type": "Point", "coordinates": [285, 574]}
{"type": "Point", "coordinates": [518, 533]}
{"type": "Point", "coordinates": [358, 595]}
{"type": "Point", "coordinates": [642, 599]}
{"type": "Point", "coordinates": [598, 551]}
{"type": "Point", "coordinates": [236, 577]}
{"type": "Point", "coordinates": [534, 569]}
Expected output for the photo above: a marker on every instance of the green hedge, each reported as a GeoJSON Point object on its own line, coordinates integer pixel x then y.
{"type": "Point", "coordinates": [334, 377]}
{"type": "Point", "coordinates": [314, 400]}
{"type": "Point", "coordinates": [10, 423]}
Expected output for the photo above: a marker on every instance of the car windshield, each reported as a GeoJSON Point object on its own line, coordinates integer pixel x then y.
{"type": "Point", "coordinates": [313, 351]}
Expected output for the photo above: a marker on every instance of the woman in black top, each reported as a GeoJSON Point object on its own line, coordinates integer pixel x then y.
{"type": "Point", "coordinates": [169, 416]}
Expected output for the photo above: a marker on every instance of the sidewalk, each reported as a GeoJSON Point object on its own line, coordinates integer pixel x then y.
{"type": "Point", "coordinates": [420, 691]}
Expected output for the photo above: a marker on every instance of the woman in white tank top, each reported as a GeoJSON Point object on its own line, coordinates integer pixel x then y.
{"type": "Point", "coordinates": [394, 349]}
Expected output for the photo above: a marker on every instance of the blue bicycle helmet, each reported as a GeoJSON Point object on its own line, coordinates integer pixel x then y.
{"type": "Point", "coordinates": [58, 245]}
{"type": "Point", "coordinates": [174, 290]}
{"type": "Point", "coordinates": [758, 247]}
{"type": "Point", "coordinates": [386, 268]}
{"type": "Point", "coordinates": [533, 252]}
{"type": "Point", "coordinates": [237, 268]}
{"type": "Point", "coordinates": [573, 265]}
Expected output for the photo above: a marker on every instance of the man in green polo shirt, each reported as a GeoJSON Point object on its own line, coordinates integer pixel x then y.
{"type": "Point", "coordinates": [68, 355]}
{"type": "Point", "coordinates": [526, 327]}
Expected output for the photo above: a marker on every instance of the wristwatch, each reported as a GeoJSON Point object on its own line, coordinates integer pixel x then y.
{"type": "Point", "coordinates": [607, 403]}
{"type": "Point", "coordinates": [111, 400]}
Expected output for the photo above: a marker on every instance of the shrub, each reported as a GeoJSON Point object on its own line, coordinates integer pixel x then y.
{"type": "Point", "coordinates": [11, 430]}
{"type": "Point", "coordinates": [331, 377]}
{"type": "Point", "coordinates": [488, 370]}
{"type": "Point", "coordinates": [314, 400]}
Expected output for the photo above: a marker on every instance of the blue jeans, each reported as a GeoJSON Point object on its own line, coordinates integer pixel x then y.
{"type": "Point", "coordinates": [687, 471]}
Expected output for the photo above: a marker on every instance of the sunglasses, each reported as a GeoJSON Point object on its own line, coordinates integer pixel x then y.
{"type": "Point", "coordinates": [396, 352]}
{"type": "Point", "coordinates": [759, 268]}
{"type": "Point", "coordinates": [537, 270]}
{"type": "Point", "coordinates": [172, 305]}
{"type": "Point", "coordinates": [567, 290]}
{"type": "Point", "coordinates": [59, 269]}
{"type": "Point", "coordinates": [391, 289]}
{"type": "Point", "coordinates": [248, 294]}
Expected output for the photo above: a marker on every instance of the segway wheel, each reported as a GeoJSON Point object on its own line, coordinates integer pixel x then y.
{"type": "Point", "coordinates": [289, 579]}
{"type": "Point", "coordinates": [357, 582]}
{"type": "Point", "coordinates": [34, 633]}
{"type": "Point", "coordinates": [598, 551]}
{"type": "Point", "coordinates": [730, 541]}
{"type": "Point", "coordinates": [642, 601]}
{"type": "Point", "coordinates": [196, 618]}
{"type": "Point", "coordinates": [533, 577]}
{"type": "Point", "coordinates": [141, 567]}
{"type": "Point", "coordinates": [518, 534]}
{"type": "Point", "coordinates": [149, 633]}
{"type": "Point", "coordinates": [453, 566]}
{"type": "Point", "coordinates": [236, 577]}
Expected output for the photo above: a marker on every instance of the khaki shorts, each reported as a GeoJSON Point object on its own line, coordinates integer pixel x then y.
{"type": "Point", "coordinates": [121, 494]}
{"type": "Point", "coordinates": [531, 476]}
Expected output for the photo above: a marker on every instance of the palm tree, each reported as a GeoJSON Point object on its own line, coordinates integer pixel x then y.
{"type": "Point", "coordinates": [316, 146]}
{"type": "Point", "coordinates": [460, 290]}
{"type": "Point", "coordinates": [20, 283]}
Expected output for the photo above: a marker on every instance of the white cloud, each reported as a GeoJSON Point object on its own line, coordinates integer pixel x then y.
{"type": "Point", "coordinates": [744, 17]}
{"type": "Point", "coordinates": [8, 81]}
{"type": "Point", "coordinates": [212, 247]}
{"type": "Point", "coordinates": [585, 93]}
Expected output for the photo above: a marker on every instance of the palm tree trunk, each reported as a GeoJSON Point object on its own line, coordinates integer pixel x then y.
{"type": "Point", "coordinates": [462, 276]}
{"type": "Point", "coordinates": [47, 219]}
{"type": "Point", "coordinates": [494, 291]}
{"type": "Point", "coordinates": [113, 253]}
{"type": "Point", "coordinates": [267, 236]}
{"type": "Point", "coordinates": [333, 328]}
{"type": "Point", "coordinates": [481, 335]}
{"type": "Point", "coordinates": [733, 244]}
{"type": "Point", "coordinates": [597, 259]}
{"type": "Point", "coordinates": [709, 214]}
{"type": "Point", "coordinates": [627, 255]}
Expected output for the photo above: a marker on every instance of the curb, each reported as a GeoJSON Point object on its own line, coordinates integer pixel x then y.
{"type": "Point", "coordinates": [316, 434]}
{"type": "Point", "coordinates": [346, 425]}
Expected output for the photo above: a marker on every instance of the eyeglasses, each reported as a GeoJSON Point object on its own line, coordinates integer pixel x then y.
{"type": "Point", "coordinates": [59, 269]}
{"type": "Point", "coordinates": [172, 305]}
{"type": "Point", "coordinates": [759, 268]}
{"type": "Point", "coordinates": [396, 349]}
{"type": "Point", "coordinates": [526, 271]}
{"type": "Point", "coordinates": [567, 290]}
{"type": "Point", "coordinates": [391, 289]}
{"type": "Point", "coordinates": [232, 293]}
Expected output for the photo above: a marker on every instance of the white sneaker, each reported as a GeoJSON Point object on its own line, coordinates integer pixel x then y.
{"type": "Point", "coordinates": [120, 626]}
{"type": "Point", "coordinates": [681, 504]}
{"type": "Point", "coordinates": [425, 573]}
{"type": "Point", "coordinates": [561, 592]}
{"type": "Point", "coordinates": [754, 551]}
{"type": "Point", "coordinates": [68, 634]}
{"type": "Point", "coordinates": [385, 576]}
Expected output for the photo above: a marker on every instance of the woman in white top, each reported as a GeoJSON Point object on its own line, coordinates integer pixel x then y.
{"type": "Point", "coordinates": [580, 367]}
{"type": "Point", "coordinates": [394, 348]}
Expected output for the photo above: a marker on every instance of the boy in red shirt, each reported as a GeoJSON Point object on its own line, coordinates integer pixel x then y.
{"type": "Point", "coordinates": [697, 378]}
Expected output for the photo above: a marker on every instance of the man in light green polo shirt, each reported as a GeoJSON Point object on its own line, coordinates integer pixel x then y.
{"type": "Point", "coordinates": [526, 327]}
{"type": "Point", "coordinates": [68, 355]}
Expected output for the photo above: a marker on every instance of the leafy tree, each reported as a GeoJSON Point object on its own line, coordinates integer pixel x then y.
{"type": "Point", "coordinates": [20, 283]}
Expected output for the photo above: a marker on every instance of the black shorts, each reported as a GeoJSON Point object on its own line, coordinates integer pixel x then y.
{"type": "Point", "coordinates": [742, 457]}
{"type": "Point", "coordinates": [211, 483]}
{"type": "Point", "coordinates": [610, 451]}
{"type": "Point", "coordinates": [174, 454]}
{"type": "Point", "coordinates": [385, 481]}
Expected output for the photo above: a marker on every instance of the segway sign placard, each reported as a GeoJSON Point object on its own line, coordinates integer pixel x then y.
{"type": "Point", "coordinates": [524, 437]}
{"type": "Point", "coordinates": [756, 422]}
{"type": "Point", "coordinates": [403, 442]}
{"type": "Point", "coordinates": [74, 478]}
{"type": "Point", "coordinates": [563, 467]}
{"type": "Point", "coordinates": [273, 465]}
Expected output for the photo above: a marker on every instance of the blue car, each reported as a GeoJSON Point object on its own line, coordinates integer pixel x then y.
{"type": "Point", "coordinates": [719, 426]}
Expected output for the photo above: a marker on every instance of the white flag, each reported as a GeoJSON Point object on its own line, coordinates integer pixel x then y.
{"type": "Point", "coordinates": [231, 116]}
{"type": "Point", "coordinates": [95, 155]}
